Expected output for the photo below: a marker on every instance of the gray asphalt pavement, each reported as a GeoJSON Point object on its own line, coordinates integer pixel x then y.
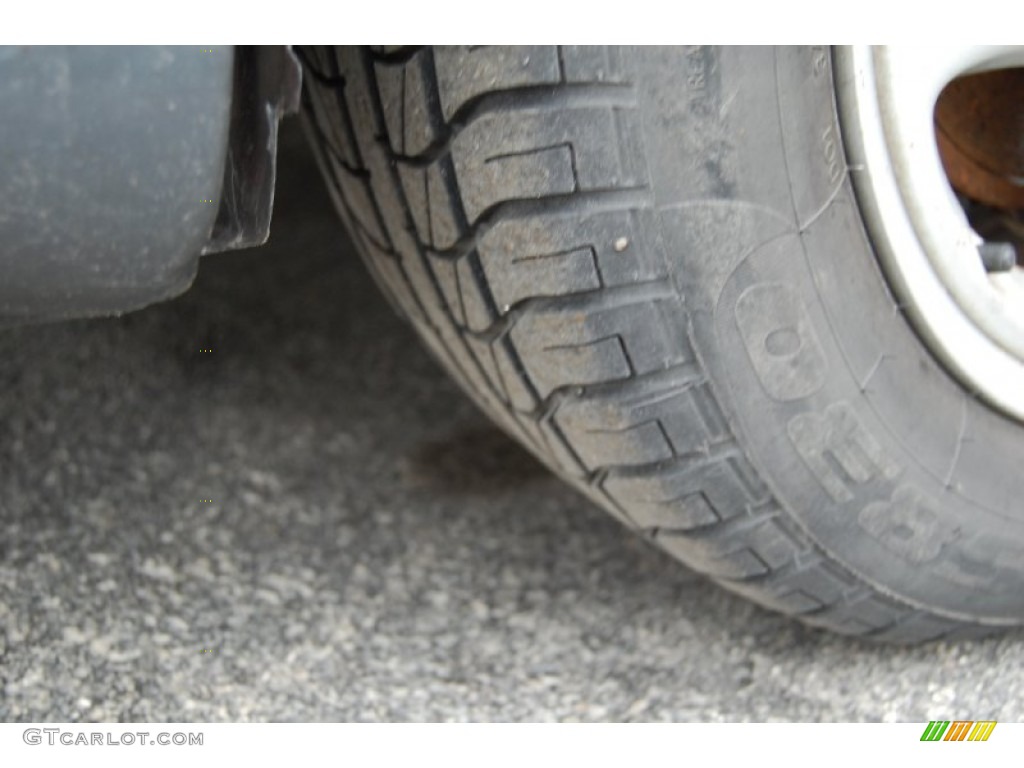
{"type": "Point", "coordinates": [309, 522]}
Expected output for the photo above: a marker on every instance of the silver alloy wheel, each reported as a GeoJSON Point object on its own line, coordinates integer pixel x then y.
{"type": "Point", "coordinates": [972, 320]}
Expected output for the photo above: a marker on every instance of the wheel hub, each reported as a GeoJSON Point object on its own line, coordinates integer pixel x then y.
{"type": "Point", "coordinates": [936, 150]}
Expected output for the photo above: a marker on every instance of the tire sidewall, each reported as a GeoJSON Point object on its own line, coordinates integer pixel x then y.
{"type": "Point", "coordinates": [882, 457]}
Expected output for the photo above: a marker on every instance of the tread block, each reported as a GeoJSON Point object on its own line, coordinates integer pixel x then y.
{"type": "Point", "coordinates": [325, 101]}
{"type": "Point", "coordinates": [465, 290]}
{"type": "Point", "coordinates": [859, 616]}
{"type": "Point", "coordinates": [359, 199]}
{"type": "Point", "coordinates": [464, 72]}
{"type": "Point", "coordinates": [483, 353]}
{"type": "Point", "coordinates": [760, 537]}
{"type": "Point", "coordinates": [389, 275]}
{"type": "Point", "coordinates": [590, 64]}
{"type": "Point", "coordinates": [915, 629]}
{"type": "Point", "coordinates": [563, 347]}
{"type": "Point", "coordinates": [634, 426]}
{"type": "Point", "coordinates": [742, 563]}
{"type": "Point", "coordinates": [525, 155]}
{"type": "Point", "coordinates": [521, 396]}
{"type": "Point", "coordinates": [445, 274]}
{"type": "Point", "coordinates": [414, 189]}
{"type": "Point", "coordinates": [795, 602]}
{"type": "Point", "coordinates": [443, 229]}
{"type": "Point", "coordinates": [556, 446]}
{"type": "Point", "coordinates": [800, 589]}
{"type": "Point", "coordinates": [697, 493]}
{"type": "Point", "coordinates": [478, 306]}
{"type": "Point", "coordinates": [774, 543]}
{"type": "Point", "coordinates": [430, 203]}
{"type": "Point", "coordinates": [555, 254]}
{"type": "Point", "coordinates": [406, 93]}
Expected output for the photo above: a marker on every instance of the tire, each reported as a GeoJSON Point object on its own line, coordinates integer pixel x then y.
{"type": "Point", "coordinates": [649, 266]}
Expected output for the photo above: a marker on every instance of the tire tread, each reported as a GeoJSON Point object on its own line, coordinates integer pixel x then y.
{"type": "Point", "coordinates": [500, 198]}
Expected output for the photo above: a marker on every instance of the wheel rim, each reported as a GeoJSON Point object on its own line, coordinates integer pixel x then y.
{"type": "Point", "coordinates": [972, 319]}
